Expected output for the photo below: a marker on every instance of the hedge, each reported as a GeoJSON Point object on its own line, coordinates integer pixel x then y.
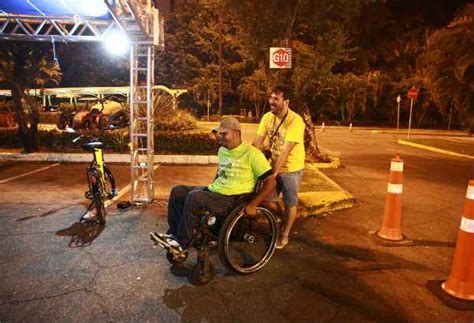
{"type": "Point", "coordinates": [166, 142]}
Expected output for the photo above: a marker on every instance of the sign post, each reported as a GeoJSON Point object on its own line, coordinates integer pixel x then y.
{"type": "Point", "coordinates": [412, 95]}
{"type": "Point", "coordinates": [450, 113]}
{"type": "Point", "coordinates": [399, 99]}
{"type": "Point", "coordinates": [208, 105]}
{"type": "Point", "coordinates": [280, 57]}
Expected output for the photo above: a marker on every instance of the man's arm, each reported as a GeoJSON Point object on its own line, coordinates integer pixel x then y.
{"type": "Point", "coordinates": [258, 142]}
{"type": "Point", "coordinates": [269, 185]}
{"type": "Point", "coordinates": [287, 147]}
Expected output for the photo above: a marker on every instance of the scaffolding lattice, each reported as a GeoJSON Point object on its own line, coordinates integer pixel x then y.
{"type": "Point", "coordinates": [141, 122]}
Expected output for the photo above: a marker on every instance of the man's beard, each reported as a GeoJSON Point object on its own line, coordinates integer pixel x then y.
{"type": "Point", "coordinates": [274, 109]}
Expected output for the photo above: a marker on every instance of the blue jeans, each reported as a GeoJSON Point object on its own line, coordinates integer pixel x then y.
{"type": "Point", "coordinates": [184, 200]}
{"type": "Point", "coordinates": [288, 184]}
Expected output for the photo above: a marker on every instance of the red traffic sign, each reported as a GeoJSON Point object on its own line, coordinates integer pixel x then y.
{"type": "Point", "coordinates": [280, 57]}
{"type": "Point", "coordinates": [413, 93]}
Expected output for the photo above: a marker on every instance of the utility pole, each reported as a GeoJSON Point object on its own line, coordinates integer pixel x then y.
{"type": "Point", "coordinates": [409, 120]}
{"type": "Point", "coordinates": [450, 113]}
{"type": "Point", "coordinates": [208, 105]}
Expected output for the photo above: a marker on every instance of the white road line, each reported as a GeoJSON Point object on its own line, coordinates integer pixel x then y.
{"type": "Point", "coordinates": [28, 173]}
{"type": "Point", "coordinates": [122, 192]}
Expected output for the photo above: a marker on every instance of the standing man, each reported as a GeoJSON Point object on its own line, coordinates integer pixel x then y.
{"type": "Point", "coordinates": [284, 130]}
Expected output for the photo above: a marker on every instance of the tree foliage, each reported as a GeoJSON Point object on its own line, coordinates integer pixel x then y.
{"type": "Point", "coordinates": [449, 69]}
{"type": "Point", "coordinates": [24, 67]}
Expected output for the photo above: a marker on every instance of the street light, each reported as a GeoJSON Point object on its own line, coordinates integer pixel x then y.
{"type": "Point", "coordinates": [399, 99]}
{"type": "Point", "coordinates": [116, 43]}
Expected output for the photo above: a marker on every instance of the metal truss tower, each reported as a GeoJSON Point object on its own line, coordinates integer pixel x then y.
{"type": "Point", "coordinates": [141, 23]}
{"type": "Point", "coordinates": [141, 122]}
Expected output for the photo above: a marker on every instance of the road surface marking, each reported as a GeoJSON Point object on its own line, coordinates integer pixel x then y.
{"type": "Point", "coordinates": [437, 150]}
{"type": "Point", "coordinates": [28, 173]}
{"type": "Point", "coordinates": [122, 192]}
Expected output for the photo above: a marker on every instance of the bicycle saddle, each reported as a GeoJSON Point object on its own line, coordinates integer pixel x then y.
{"type": "Point", "coordinates": [93, 144]}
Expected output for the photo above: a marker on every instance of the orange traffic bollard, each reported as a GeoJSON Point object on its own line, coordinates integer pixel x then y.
{"type": "Point", "coordinates": [460, 282]}
{"type": "Point", "coordinates": [392, 220]}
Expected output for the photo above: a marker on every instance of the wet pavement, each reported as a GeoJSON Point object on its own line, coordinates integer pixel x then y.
{"type": "Point", "coordinates": [55, 269]}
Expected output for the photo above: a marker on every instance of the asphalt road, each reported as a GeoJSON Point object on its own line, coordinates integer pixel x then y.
{"type": "Point", "coordinates": [54, 269]}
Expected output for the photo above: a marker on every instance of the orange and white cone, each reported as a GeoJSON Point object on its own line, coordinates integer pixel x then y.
{"type": "Point", "coordinates": [392, 221]}
{"type": "Point", "coordinates": [460, 282]}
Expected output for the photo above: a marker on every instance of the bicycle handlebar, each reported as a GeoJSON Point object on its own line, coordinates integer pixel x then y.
{"type": "Point", "coordinates": [77, 139]}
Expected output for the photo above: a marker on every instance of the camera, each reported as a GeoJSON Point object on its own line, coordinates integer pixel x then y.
{"type": "Point", "coordinates": [267, 153]}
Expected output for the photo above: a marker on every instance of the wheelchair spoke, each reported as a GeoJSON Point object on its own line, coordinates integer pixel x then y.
{"type": "Point", "coordinates": [251, 241]}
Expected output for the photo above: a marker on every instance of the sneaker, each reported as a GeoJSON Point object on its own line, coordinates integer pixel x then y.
{"type": "Point", "coordinates": [113, 192]}
{"type": "Point", "coordinates": [168, 241]}
{"type": "Point", "coordinates": [89, 216]}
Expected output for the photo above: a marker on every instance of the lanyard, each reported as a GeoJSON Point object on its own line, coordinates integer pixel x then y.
{"type": "Point", "coordinates": [278, 128]}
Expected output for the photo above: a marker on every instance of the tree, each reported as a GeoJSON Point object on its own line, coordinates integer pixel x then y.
{"type": "Point", "coordinates": [191, 58]}
{"type": "Point", "coordinates": [448, 67]}
{"type": "Point", "coordinates": [23, 67]}
{"type": "Point", "coordinates": [254, 88]}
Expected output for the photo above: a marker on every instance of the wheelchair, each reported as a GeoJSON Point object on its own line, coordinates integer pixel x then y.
{"type": "Point", "coordinates": [245, 243]}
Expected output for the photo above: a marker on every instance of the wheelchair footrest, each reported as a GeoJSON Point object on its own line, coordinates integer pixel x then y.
{"type": "Point", "coordinates": [158, 240]}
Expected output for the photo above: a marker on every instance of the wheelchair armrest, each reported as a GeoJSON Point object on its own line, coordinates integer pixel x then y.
{"type": "Point", "coordinates": [242, 199]}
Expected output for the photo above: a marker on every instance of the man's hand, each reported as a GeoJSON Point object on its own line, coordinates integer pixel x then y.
{"type": "Point", "coordinates": [251, 209]}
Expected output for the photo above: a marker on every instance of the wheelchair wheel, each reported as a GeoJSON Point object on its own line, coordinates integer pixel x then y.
{"type": "Point", "coordinates": [247, 243]}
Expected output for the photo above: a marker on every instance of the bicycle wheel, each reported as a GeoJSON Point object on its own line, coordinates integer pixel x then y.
{"type": "Point", "coordinates": [246, 242]}
{"type": "Point", "coordinates": [97, 191]}
{"type": "Point", "coordinates": [109, 182]}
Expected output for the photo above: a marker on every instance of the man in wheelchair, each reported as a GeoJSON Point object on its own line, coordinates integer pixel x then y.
{"type": "Point", "coordinates": [240, 167]}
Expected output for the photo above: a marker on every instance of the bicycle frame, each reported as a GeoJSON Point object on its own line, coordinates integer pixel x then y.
{"type": "Point", "coordinates": [99, 161]}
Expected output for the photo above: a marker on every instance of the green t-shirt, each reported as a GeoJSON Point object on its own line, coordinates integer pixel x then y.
{"type": "Point", "coordinates": [239, 169]}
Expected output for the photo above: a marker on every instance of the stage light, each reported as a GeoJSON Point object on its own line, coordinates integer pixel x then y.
{"type": "Point", "coordinates": [116, 43]}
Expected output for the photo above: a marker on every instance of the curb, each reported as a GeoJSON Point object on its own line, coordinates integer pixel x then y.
{"type": "Point", "coordinates": [314, 203]}
{"type": "Point", "coordinates": [335, 163]}
{"type": "Point", "coordinates": [110, 158]}
{"type": "Point", "coordinates": [437, 150]}
{"type": "Point", "coordinates": [329, 201]}
{"type": "Point", "coordinates": [125, 158]}
{"type": "Point", "coordinates": [311, 203]}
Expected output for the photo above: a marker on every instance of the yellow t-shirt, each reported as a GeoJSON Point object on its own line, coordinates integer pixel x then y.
{"type": "Point", "coordinates": [239, 169]}
{"type": "Point", "coordinates": [292, 130]}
